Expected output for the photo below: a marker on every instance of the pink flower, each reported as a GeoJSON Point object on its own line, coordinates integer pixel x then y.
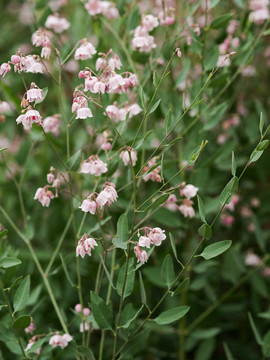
{"type": "Point", "coordinates": [46, 52]}
{"type": "Point", "coordinates": [4, 107]}
{"type": "Point", "coordinates": [189, 191]}
{"type": "Point", "coordinates": [78, 308]}
{"type": "Point", "coordinates": [89, 206]}
{"type": "Point", "coordinates": [44, 196]}
{"type": "Point", "coordinates": [84, 326]}
{"type": "Point", "coordinates": [154, 174]}
{"type": "Point", "coordinates": [252, 260]}
{"type": "Point", "coordinates": [114, 62]}
{"type": "Point", "coordinates": [93, 166]}
{"type": "Point", "coordinates": [187, 210]}
{"type": "Point", "coordinates": [157, 236]}
{"type": "Point", "coordinates": [93, 7]}
{"type": "Point", "coordinates": [226, 219]}
{"type": "Point", "coordinates": [56, 23]}
{"type": "Point", "coordinates": [85, 51]}
{"type": "Point", "coordinates": [107, 196]}
{"type": "Point", "coordinates": [5, 68]}
{"type": "Point", "coordinates": [99, 87]}
{"type": "Point", "coordinates": [84, 113]}
{"type": "Point", "coordinates": [31, 328]}
{"type": "Point", "coordinates": [140, 254]}
{"type": "Point", "coordinates": [51, 124]}
{"type": "Point", "coordinates": [126, 155]}
{"type": "Point", "coordinates": [34, 93]}
{"type": "Point", "coordinates": [149, 22]}
{"type": "Point", "coordinates": [115, 81]}
{"type": "Point", "coordinates": [145, 241]}
{"type": "Point", "coordinates": [85, 245]}
{"type": "Point", "coordinates": [60, 340]}
{"type": "Point", "coordinates": [179, 53]}
{"type": "Point", "coordinates": [31, 343]}
{"type": "Point", "coordinates": [171, 203]}
{"type": "Point", "coordinates": [86, 311]}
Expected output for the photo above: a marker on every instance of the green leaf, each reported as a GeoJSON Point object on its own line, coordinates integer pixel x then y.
{"type": "Point", "coordinates": [15, 283]}
{"type": "Point", "coordinates": [201, 208]}
{"type": "Point", "coordinates": [233, 165]}
{"type": "Point", "coordinates": [122, 228]}
{"type": "Point", "coordinates": [159, 201]}
{"type": "Point", "coordinates": [169, 316]}
{"type": "Point", "coordinates": [3, 149]}
{"type": "Point", "coordinates": [129, 315]}
{"type": "Point", "coordinates": [9, 262]}
{"type": "Point", "coordinates": [228, 352]}
{"type": "Point", "coordinates": [74, 162]}
{"type": "Point", "coordinates": [3, 233]}
{"type": "Point", "coordinates": [173, 246]}
{"type": "Point", "coordinates": [167, 271]}
{"type": "Point", "coordinates": [168, 121]}
{"type": "Point", "coordinates": [220, 22]}
{"type": "Point", "coordinates": [140, 142]}
{"type": "Point", "coordinates": [211, 58]}
{"type": "Point", "coordinates": [119, 244]}
{"type": "Point", "coordinates": [22, 294]}
{"type": "Point", "coordinates": [154, 107]}
{"type": "Point", "coordinates": [263, 145]}
{"type": "Point", "coordinates": [45, 92]}
{"type": "Point", "coordinates": [22, 322]}
{"type": "Point", "coordinates": [129, 281]}
{"type": "Point", "coordinates": [255, 155]}
{"type": "Point", "coordinates": [261, 124]}
{"type": "Point", "coordinates": [142, 290]}
{"type": "Point", "coordinates": [142, 97]}
{"type": "Point", "coordinates": [83, 350]}
{"type": "Point", "coordinates": [255, 330]}
{"type": "Point", "coordinates": [155, 79]}
{"type": "Point", "coordinates": [230, 189]}
{"type": "Point", "coordinates": [205, 231]}
{"type": "Point", "coordinates": [181, 287]}
{"type": "Point", "coordinates": [266, 344]}
{"type": "Point", "coordinates": [101, 312]}
{"type": "Point", "coordinates": [216, 249]}
{"type": "Point", "coordinates": [106, 271]}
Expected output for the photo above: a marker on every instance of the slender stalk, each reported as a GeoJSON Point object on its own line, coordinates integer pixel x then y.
{"type": "Point", "coordinates": [38, 265]}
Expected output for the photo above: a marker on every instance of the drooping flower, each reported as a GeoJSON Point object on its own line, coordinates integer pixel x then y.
{"type": "Point", "coordinates": [93, 166]}
{"type": "Point", "coordinates": [85, 245]}
{"type": "Point", "coordinates": [85, 51]}
{"type": "Point", "coordinates": [157, 236]}
{"type": "Point", "coordinates": [107, 196]}
{"type": "Point", "coordinates": [34, 93]}
{"type": "Point", "coordinates": [129, 156]}
{"type": "Point", "coordinates": [44, 196]}
{"type": "Point", "coordinates": [60, 340]}
{"type": "Point", "coordinates": [56, 23]}
{"type": "Point", "coordinates": [88, 205]}
{"type": "Point", "coordinates": [140, 254]}
{"type": "Point", "coordinates": [51, 124]}
{"type": "Point", "coordinates": [189, 191]}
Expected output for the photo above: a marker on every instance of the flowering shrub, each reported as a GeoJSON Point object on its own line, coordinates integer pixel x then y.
{"type": "Point", "coordinates": [137, 127]}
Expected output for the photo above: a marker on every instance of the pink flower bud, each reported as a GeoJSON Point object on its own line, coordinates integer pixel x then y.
{"type": "Point", "coordinates": [86, 312]}
{"type": "Point", "coordinates": [78, 308]}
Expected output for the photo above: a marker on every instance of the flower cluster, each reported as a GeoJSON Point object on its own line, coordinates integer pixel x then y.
{"type": "Point", "coordinates": [86, 312]}
{"type": "Point", "coordinates": [151, 236]}
{"type": "Point", "coordinates": [56, 23]}
{"type": "Point", "coordinates": [109, 81]}
{"type": "Point", "coordinates": [42, 37]}
{"type": "Point", "coordinates": [120, 113]}
{"type": "Point", "coordinates": [44, 195]}
{"type": "Point", "coordinates": [93, 166]}
{"type": "Point", "coordinates": [107, 196]}
{"type": "Point", "coordinates": [106, 8]}
{"type": "Point", "coordinates": [142, 41]}
{"type": "Point", "coordinates": [259, 11]}
{"type": "Point", "coordinates": [80, 106]}
{"type": "Point", "coordinates": [85, 51]}
{"type": "Point", "coordinates": [129, 155]}
{"type": "Point", "coordinates": [153, 175]}
{"type": "Point", "coordinates": [31, 342]}
{"type": "Point", "coordinates": [28, 64]}
{"type": "Point", "coordinates": [60, 340]}
{"type": "Point", "coordinates": [85, 245]}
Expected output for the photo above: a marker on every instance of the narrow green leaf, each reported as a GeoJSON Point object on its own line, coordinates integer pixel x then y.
{"type": "Point", "coordinates": [129, 315]}
{"type": "Point", "coordinates": [14, 284]}
{"type": "Point", "coordinates": [102, 312]}
{"type": "Point", "coordinates": [181, 287]}
{"type": "Point", "coordinates": [3, 233]}
{"type": "Point", "coordinates": [198, 103]}
{"type": "Point", "coordinates": [173, 246]}
{"type": "Point", "coordinates": [205, 231]}
{"type": "Point", "coordinates": [122, 228]}
{"type": "Point", "coordinates": [168, 121]}
{"type": "Point", "coordinates": [3, 149]}
{"type": "Point", "coordinates": [169, 316]}
{"type": "Point", "coordinates": [167, 271]}
{"type": "Point", "coordinates": [22, 294]}
{"type": "Point", "coordinates": [255, 330]}
{"type": "Point", "coordinates": [140, 142]}
{"type": "Point", "coordinates": [66, 271]}
{"type": "Point", "coordinates": [142, 97]}
{"type": "Point", "coordinates": [230, 189]}
{"type": "Point", "coordinates": [74, 162]}
{"type": "Point", "coordinates": [233, 165]}
{"type": "Point", "coordinates": [106, 271]}
{"type": "Point", "coordinates": [155, 79]}
{"type": "Point", "coordinates": [22, 322]}
{"type": "Point", "coordinates": [228, 352]}
{"type": "Point", "coordinates": [129, 281]}
{"type": "Point", "coordinates": [261, 124]}
{"type": "Point", "coordinates": [154, 107]}
{"type": "Point", "coordinates": [201, 208]}
{"type": "Point", "coordinates": [220, 22]}
{"type": "Point", "coordinates": [216, 249]}
{"type": "Point", "coordinates": [255, 155]}
{"type": "Point", "coordinates": [159, 201]}
{"type": "Point", "coordinates": [9, 262]}
{"type": "Point", "coordinates": [142, 290]}
{"type": "Point", "coordinates": [263, 145]}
